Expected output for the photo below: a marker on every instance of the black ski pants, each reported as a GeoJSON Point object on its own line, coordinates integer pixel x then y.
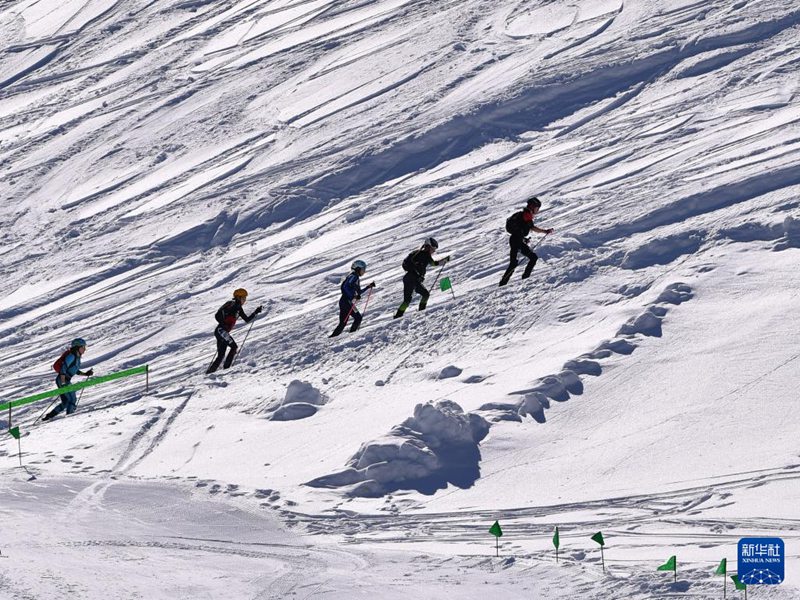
{"type": "Point", "coordinates": [517, 244]}
{"type": "Point", "coordinates": [412, 283]}
{"type": "Point", "coordinates": [345, 306]}
{"type": "Point", "coordinates": [224, 340]}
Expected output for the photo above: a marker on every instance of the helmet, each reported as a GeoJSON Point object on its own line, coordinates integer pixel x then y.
{"type": "Point", "coordinates": [240, 293]}
{"type": "Point", "coordinates": [359, 264]}
{"type": "Point", "coordinates": [77, 343]}
{"type": "Point", "coordinates": [534, 202]}
{"type": "Point", "coordinates": [431, 242]}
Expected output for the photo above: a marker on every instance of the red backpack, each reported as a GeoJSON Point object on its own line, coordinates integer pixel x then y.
{"type": "Point", "coordinates": [60, 362]}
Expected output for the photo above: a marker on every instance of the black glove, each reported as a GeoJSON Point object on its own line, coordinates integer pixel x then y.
{"type": "Point", "coordinates": [358, 296]}
{"type": "Point", "coordinates": [549, 231]}
{"type": "Point", "coordinates": [371, 285]}
{"type": "Point", "coordinates": [527, 240]}
{"type": "Point", "coordinates": [89, 373]}
{"type": "Point", "coordinates": [258, 310]}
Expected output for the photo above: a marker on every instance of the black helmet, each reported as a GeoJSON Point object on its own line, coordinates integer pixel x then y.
{"type": "Point", "coordinates": [431, 242]}
{"type": "Point", "coordinates": [534, 202]}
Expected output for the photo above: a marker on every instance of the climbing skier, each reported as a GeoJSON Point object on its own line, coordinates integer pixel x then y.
{"type": "Point", "coordinates": [226, 317]}
{"type": "Point", "coordinates": [351, 291]}
{"type": "Point", "coordinates": [415, 265]}
{"type": "Point", "coordinates": [519, 225]}
{"type": "Point", "coordinates": [67, 366]}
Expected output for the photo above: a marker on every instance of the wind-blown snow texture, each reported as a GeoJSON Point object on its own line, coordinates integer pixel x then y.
{"type": "Point", "coordinates": [156, 155]}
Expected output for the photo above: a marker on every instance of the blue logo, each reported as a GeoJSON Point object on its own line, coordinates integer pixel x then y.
{"type": "Point", "coordinates": [761, 561]}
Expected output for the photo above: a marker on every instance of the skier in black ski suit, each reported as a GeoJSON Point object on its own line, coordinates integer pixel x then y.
{"type": "Point", "coordinates": [351, 291]}
{"type": "Point", "coordinates": [415, 266]}
{"type": "Point", "coordinates": [519, 225]}
{"type": "Point", "coordinates": [226, 317]}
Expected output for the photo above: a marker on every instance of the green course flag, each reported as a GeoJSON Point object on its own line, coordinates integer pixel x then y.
{"type": "Point", "coordinates": [670, 565]}
{"type": "Point", "coordinates": [722, 569]}
{"type": "Point", "coordinates": [14, 431]}
{"type": "Point", "coordinates": [556, 541]}
{"type": "Point", "coordinates": [739, 585]}
{"type": "Point", "coordinates": [598, 537]}
{"type": "Point", "coordinates": [445, 284]}
{"type": "Point", "coordinates": [495, 530]}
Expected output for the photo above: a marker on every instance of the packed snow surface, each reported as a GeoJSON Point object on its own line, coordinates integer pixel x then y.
{"type": "Point", "coordinates": [155, 155]}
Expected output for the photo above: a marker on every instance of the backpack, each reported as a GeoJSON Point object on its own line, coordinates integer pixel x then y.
{"type": "Point", "coordinates": [60, 362]}
{"type": "Point", "coordinates": [408, 262]}
{"type": "Point", "coordinates": [515, 223]}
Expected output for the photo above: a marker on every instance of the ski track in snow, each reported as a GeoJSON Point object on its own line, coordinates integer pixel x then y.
{"type": "Point", "coordinates": [154, 156]}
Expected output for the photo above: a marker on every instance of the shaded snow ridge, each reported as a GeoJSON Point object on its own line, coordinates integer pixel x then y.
{"type": "Point", "coordinates": [301, 401]}
{"type": "Point", "coordinates": [439, 444]}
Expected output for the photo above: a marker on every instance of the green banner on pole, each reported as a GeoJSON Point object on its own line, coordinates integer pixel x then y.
{"type": "Point", "coordinates": [722, 569]}
{"type": "Point", "coordinates": [495, 529]}
{"type": "Point", "coordinates": [598, 537]}
{"type": "Point", "coordinates": [445, 284]}
{"type": "Point", "coordinates": [556, 541]}
{"type": "Point", "coordinates": [670, 565]}
{"type": "Point", "coordinates": [739, 585]}
{"type": "Point", "coordinates": [14, 431]}
{"type": "Point", "coordinates": [75, 387]}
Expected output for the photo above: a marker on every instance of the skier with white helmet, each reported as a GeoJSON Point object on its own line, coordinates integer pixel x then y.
{"type": "Point", "coordinates": [351, 291]}
{"type": "Point", "coordinates": [415, 265]}
{"type": "Point", "coordinates": [226, 318]}
{"type": "Point", "coordinates": [67, 366]}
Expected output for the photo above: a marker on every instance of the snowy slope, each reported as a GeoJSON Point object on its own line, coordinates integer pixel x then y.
{"type": "Point", "coordinates": [155, 155]}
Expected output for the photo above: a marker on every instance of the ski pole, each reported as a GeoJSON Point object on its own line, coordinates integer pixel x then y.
{"type": "Point", "coordinates": [350, 312]}
{"type": "Point", "coordinates": [541, 239]}
{"type": "Point", "coordinates": [235, 356]}
{"type": "Point", "coordinates": [435, 281]}
{"type": "Point", "coordinates": [366, 302]}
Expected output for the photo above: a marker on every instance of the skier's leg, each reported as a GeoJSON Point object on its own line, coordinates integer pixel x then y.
{"type": "Point", "coordinates": [344, 310]}
{"type": "Point", "coordinates": [532, 258]}
{"type": "Point", "coordinates": [409, 282]}
{"type": "Point", "coordinates": [422, 291]}
{"type": "Point", "coordinates": [512, 263]}
{"type": "Point", "coordinates": [61, 406]}
{"type": "Point", "coordinates": [72, 402]}
{"type": "Point", "coordinates": [231, 354]}
{"type": "Point", "coordinates": [356, 320]}
{"type": "Point", "coordinates": [222, 345]}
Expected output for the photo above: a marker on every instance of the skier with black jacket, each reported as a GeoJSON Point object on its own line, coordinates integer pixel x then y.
{"type": "Point", "coordinates": [226, 318]}
{"type": "Point", "coordinates": [519, 225]}
{"type": "Point", "coordinates": [415, 265]}
{"type": "Point", "coordinates": [351, 291]}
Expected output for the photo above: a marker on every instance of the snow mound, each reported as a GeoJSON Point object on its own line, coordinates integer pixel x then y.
{"type": "Point", "coordinates": [301, 401]}
{"type": "Point", "coordinates": [449, 371]}
{"type": "Point", "coordinates": [437, 446]}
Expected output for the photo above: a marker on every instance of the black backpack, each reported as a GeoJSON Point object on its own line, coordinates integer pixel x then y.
{"type": "Point", "coordinates": [408, 262]}
{"type": "Point", "coordinates": [515, 223]}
